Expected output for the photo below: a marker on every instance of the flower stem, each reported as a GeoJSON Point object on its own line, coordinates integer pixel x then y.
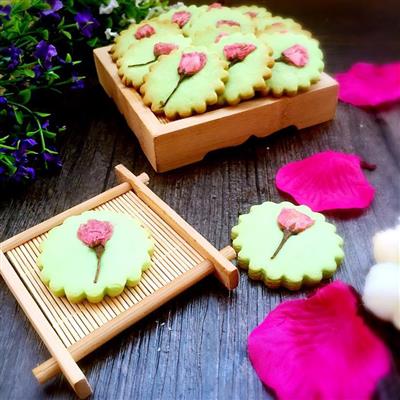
{"type": "Point", "coordinates": [286, 235]}
{"type": "Point", "coordinates": [143, 64]}
{"type": "Point", "coordinates": [99, 252]}
{"type": "Point", "coordinates": [181, 78]}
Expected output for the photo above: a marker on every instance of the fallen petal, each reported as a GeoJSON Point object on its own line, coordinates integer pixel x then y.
{"type": "Point", "coordinates": [319, 348]}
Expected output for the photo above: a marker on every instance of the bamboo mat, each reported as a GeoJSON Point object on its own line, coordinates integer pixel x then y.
{"type": "Point", "coordinates": [173, 256]}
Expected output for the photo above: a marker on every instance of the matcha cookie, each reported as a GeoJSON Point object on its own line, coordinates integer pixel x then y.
{"type": "Point", "coordinates": [137, 32]}
{"type": "Point", "coordinates": [278, 24]}
{"type": "Point", "coordinates": [93, 255]}
{"type": "Point", "coordinates": [249, 66]}
{"type": "Point", "coordinates": [180, 16]}
{"type": "Point", "coordinates": [136, 61]}
{"type": "Point", "coordinates": [184, 82]}
{"type": "Point", "coordinates": [298, 62]}
{"type": "Point", "coordinates": [287, 245]}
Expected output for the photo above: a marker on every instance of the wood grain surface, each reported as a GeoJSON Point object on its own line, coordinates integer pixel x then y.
{"type": "Point", "coordinates": [195, 346]}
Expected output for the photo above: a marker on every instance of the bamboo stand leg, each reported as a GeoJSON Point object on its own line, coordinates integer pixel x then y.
{"type": "Point", "coordinates": [60, 354]}
{"type": "Point", "coordinates": [91, 342]}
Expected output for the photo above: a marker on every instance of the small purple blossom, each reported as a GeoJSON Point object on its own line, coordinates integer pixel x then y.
{"type": "Point", "coordinates": [23, 146]}
{"type": "Point", "coordinates": [3, 102]}
{"type": "Point", "coordinates": [52, 159]}
{"type": "Point", "coordinates": [45, 52]}
{"type": "Point", "coordinates": [13, 53]}
{"type": "Point", "coordinates": [77, 82]}
{"type": "Point", "coordinates": [87, 23]}
{"type": "Point", "coordinates": [5, 11]}
{"type": "Point", "coordinates": [55, 5]}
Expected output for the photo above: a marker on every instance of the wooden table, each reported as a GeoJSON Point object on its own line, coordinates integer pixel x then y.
{"type": "Point", "coordinates": [195, 346]}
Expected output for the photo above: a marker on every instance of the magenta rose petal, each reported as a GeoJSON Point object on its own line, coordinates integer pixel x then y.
{"type": "Point", "coordinates": [319, 348]}
{"type": "Point", "coordinates": [370, 85]}
{"type": "Point", "coordinates": [327, 181]}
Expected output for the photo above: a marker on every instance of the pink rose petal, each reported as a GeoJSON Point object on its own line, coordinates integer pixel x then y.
{"type": "Point", "coordinates": [367, 84]}
{"type": "Point", "coordinates": [238, 51]}
{"type": "Point", "coordinates": [144, 31]}
{"type": "Point", "coordinates": [319, 348]}
{"type": "Point", "coordinates": [327, 181]}
{"type": "Point", "coordinates": [296, 55]}
{"type": "Point", "coordinates": [181, 18]}
{"type": "Point", "coordinates": [191, 63]}
{"type": "Point", "coordinates": [162, 48]}
{"type": "Point", "coordinates": [227, 22]}
{"type": "Point", "coordinates": [95, 233]}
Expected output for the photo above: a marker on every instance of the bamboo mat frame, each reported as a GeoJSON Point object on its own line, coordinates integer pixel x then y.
{"type": "Point", "coordinates": [181, 258]}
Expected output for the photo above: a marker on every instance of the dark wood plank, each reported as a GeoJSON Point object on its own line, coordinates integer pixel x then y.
{"type": "Point", "coordinates": [195, 346]}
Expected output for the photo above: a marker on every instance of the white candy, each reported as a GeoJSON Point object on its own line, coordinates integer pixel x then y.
{"type": "Point", "coordinates": [382, 292]}
{"type": "Point", "coordinates": [387, 246]}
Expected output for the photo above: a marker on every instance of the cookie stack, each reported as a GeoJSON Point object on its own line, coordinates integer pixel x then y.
{"type": "Point", "coordinates": [191, 58]}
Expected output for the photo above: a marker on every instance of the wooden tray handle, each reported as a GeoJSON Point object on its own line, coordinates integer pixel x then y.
{"type": "Point", "coordinates": [61, 355]}
{"type": "Point", "coordinates": [97, 338]}
{"type": "Point", "coordinates": [225, 271]}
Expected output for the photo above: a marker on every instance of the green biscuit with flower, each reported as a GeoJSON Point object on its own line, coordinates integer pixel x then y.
{"type": "Point", "coordinates": [249, 66]}
{"type": "Point", "coordinates": [136, 61]}
{"type": "Point", "coordinates": [298, 62]}
{"type": "Point", "coordinates": [287, 245]}
{"type": "Point", "coordinates": [137, 32]}
{"type": "Point", "coordinates": [184, 82]}
{"type": "Point", "coordinates": [94, 254]}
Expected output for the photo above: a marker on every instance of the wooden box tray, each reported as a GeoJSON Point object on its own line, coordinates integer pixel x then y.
{"type": "Point", "coordinates": [181, 258]}
{"type": "Point", "coordinates": [172, 144]}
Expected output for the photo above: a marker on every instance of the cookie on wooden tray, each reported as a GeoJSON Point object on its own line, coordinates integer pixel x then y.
{"type": "Point", "coordinates": [213, 35]}
{"type": "Point", "coordinates": [221, 17]}
{"type": "Point", "coordinates": [135, 63]}
{"type": "Point", "coordinates": [180, 16]}
{"type": "Point", "coordinates": [298, 62]}
{"type": "Point", "coordinates": [249, 66]}
{"type": "Point", "coordinates": [287, 245]}
{"type": "Point", "coordinates": [137, 32]}
{"type": "Point", "coordinates": [254, 12]}
{"type": "Point", "coordinates": [184, 82]}
{"type": "Point", "coordinates": [94, 254]}
{"type": "Point", "coordinates": [279, 24]}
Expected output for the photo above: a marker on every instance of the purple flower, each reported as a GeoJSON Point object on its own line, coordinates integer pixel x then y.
{"type": "Point", "coordinates": [13, 53]}
{"type": "Point", "coordinates": [24, 172]}
{"type": "Point", "coordinates": [77, 82]}
{"type": "Point", "coordinates": [52, 159]}
{"type": "Point", "coordinates": [5, 12]}
{"type": "Point", "coordinates": [86, 23]}
{"type": "Point", "coordinates": [3, 102]}
{"type": "Point", "coordinates": [55, 5]}
{"type": "Point", "coordinates": [45, 52]}
{"type": "Point", "coordinates": [24, 145]}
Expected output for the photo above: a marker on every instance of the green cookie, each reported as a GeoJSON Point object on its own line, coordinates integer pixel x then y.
{"type": "Point", "coordinates": [278, 24]}
{"type": "Point", "coordinates": [127, 36]}
{"type": "Point", "coordinates": [141, 52]}
{"type": "Point", "coordinates": [287, 78]}
{"type": "Point", "coordinates": [248, 76]}
{"type": "Point", "coordinates": [306, 258]}
{"type": "Point", "coordinates": [68, 266]}
{"type": "Point", "coordinates": [164, 92]}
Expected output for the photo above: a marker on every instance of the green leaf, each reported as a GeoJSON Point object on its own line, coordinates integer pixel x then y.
{"type": "Point", "coordinates": [42, 114]}
{"type": "Point", "coordinates": [66, 34]}
{"type": "Point", "coordinates": [19, 116]}
{"type": "Point", "coordinates": [28, 72]}
{"type": "Point", "coordinates": [45, 34]}
{"type": "Point", "coordinates": [25, 95]}
{"type": "Point", "coordinates": [68, 58]}
{"type": "Point", "coordinates": [49, 135]}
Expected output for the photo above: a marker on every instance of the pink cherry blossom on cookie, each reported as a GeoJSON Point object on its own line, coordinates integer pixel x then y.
{"type": "Point", "coordinates": [238, 51]}
{"type": "Point", "coordinates": [220, 36]}
{"type": "Point", "coordinates": [251, 14]}
{"type": "Point", "coordinates": [95, 233]}
{"type": "Point", "coordinates": [213, 6]}
{"type": "Point", "coordinates": [181, 18]}
{"type": "Point", "coordinates": [144, 31]}
{"type": "Point", "coordinates": [162, 48]}
{"type": "Point", "coordinates": [191, 63]}
{"type": "Point", "coordinates": [294, 221]}
{"type": "Point", "coordinates": [227, 22]}
{"type": "Point", "coordinates": [327, 181]}
{"type": "Point", "coordinates": [370, 85]}
{"type": "Point", "coordinates": [319, 348]}
{"type": "Point", "coordinates": [296, 55]}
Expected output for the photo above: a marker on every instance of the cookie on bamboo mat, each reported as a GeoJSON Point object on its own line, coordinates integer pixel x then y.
{"type": "Point", "coordinates": [222, 17]}
{"type": "Point", "coordinates": [298, 62]}
{"type": "Point", "coordinates": [184, 82]}
{"type": "Point", "coordinates": [94, 254]}
{"type": "Point", "coordinates": [136, 61]}
{"type": "Point", "coordinates": [249, 62]}
{"type": "Point", "coordinates": [287, 245]}
{"type": "Point", "coordinates": [137, 32]}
